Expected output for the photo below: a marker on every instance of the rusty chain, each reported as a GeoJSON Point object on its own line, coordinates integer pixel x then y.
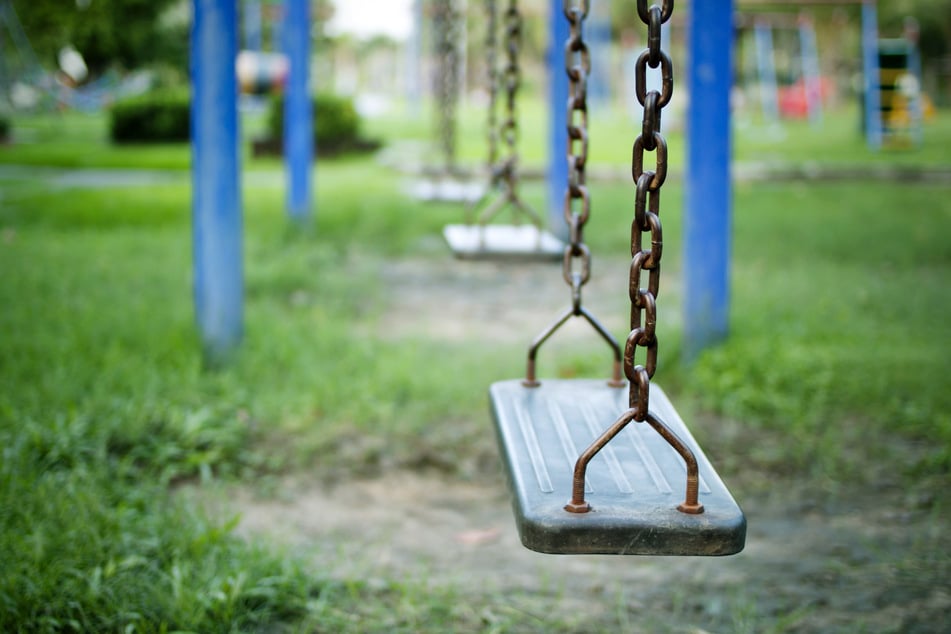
{"type": "Point", "coordinates": [647, 208]}
{"type": "Point", "coordinates": [446, 77]}
{"type": "Point", "coordinates": [646, 220]}
{"type": "Point", "coordinates": [578, 67]}
{"type": "Point", "coordinates": [576, 263]}
{"type": "Point", "coordinates": [511, 79]}
{"type": "Point", "coordinates": [492, 72]}
{"type": "Point", "coordinates": [504, 172]}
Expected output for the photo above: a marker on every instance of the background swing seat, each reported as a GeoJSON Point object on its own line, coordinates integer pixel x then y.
{"type": "Point", "coordinates": [633, 485]}
{"type": "Point", "coordinates": [502, 242]}
{"type": "Point", "coordinates": [449, 190]}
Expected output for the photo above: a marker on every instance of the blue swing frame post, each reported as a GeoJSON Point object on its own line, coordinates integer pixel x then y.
{"type": "Point", "coordinates": [251, 22]}
{"type": "Point", "coordinates": [766, 69]}
{"type": "Point", "coordinates": [916, 107]}
{"type": "Point", "coordinates": [708, 188]}
{"type": "Point", "coordinates": [870, 71]}
{"type": "Point", "coordinates": [811, 74]}
{"type": "Point", "coordinates": [557, 172]}
{"type": "Point", "coordinates": [298, 112]}
{"type": "Point", "coordinates": [216, 196]}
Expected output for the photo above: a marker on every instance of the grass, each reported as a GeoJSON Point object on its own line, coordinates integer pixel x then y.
{"type": "Point", "coordinates": [837, 332]}
{"type": "Point", "coordinates": [73, 139]}
{"type": "Point", "coordinates": [836, 310]}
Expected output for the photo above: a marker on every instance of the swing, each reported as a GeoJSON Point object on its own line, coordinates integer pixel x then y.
{"type": "Point", "coordinates": [446, 183]}
{"type": "Point", "coordinates": [479, 238]}
{"type": "Point", "coordinates": [621, 493]}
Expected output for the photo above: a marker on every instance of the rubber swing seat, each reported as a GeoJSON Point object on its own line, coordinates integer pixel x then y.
{"type": "Point", "coordinates": [496, 241]}
{"type": "Point", "coordinates": [634, 484]}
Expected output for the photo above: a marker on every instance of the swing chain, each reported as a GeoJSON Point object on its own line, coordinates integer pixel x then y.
{"type": "Point", "coordinates": [493, 76]}
{"type": "Point", "coordinates": [445, 25]}
{"type": "Point", "coordinates": [647, 208]}
{"type": "Point", "coordinates": [646, 220]}
{"type": "Point", "coordinates": [511, 76]}
{"type": "Point", "coordinates": [578, 67]}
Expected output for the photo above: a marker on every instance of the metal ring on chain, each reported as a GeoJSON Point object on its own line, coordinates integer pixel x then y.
{"type": "Point", "coordinates": [577, 193]}
{"type": "Point", "coordinates": [651, 123]}
{"type": "Point", "coordinates": [653, 255]}
{"type": "Point", "coordinates": [654, 35]}
{"type": "Point", "coordinates": [577, 58]}
{"type": "Point", "coordinates": [637, 160]}
{"type": "Point", "coordinates": [573, 253]}
{"type": "Point", "coordinates": [666, 74]}
{"type": "Point", "coordinates": [573, 12]}
{"type": "Point", "coordinates": [643, 10]}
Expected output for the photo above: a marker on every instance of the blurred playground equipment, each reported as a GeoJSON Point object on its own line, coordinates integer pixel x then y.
{"type": "Point", "coordinates": [261, 73]}
{"type": "Point", "coordinates": [904, 106]}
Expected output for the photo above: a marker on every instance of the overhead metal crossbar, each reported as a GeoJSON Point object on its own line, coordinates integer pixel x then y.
{"type": "Point", "coordinates": [640, 484]}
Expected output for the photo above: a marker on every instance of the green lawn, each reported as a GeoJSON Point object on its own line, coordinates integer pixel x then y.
{"type": "Point", "coordinates": [838, 326]}
{"type": "Point", "coordinates": [72, 139]}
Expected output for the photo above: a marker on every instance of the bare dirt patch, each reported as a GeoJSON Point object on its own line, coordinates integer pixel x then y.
{"type": "Point", "coordinates": [808, 566]}
{"type": "Point", "coordinates": [820, 556]}
{"type": "Point", "coordinates": [495, 301]}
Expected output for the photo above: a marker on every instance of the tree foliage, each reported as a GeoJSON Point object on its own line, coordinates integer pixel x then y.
{"type": "Point", "coordinates": [933, 18]}
{"type": "Point", "coordinates": [129, 33]}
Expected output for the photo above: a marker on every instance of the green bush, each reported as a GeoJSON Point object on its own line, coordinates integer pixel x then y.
{"type": "Point", "coordinates": [157, 117]}
{"type": "Point", "coordinates": [336, 122]}
{"type": "Point", "coordinates": [4, 128]}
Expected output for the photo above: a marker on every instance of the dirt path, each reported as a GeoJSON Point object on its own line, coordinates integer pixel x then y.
{"type": "Point", "coordinates": [864, 568]}
{"type": "Point", "coordinates": [873, 560]}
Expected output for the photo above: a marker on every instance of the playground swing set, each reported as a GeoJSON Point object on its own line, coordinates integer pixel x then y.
{"type": "Point", "coordinates": [617, 496]}
{"type": "Point", "coordinates": [893, 103]}
{"type": "Point", "coordinates": [620, 494]}
{"type": "Point", "coordinates": [477, 238]}
{"type": "Point", "coordinates": [445, 181]}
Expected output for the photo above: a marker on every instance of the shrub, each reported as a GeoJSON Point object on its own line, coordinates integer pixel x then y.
{"type": "Point", "coordinates": [4, 129]}
{"type": "Point", "coordinates": [336, 122]}
{"type": "Point", "coordinates": [156, 117]}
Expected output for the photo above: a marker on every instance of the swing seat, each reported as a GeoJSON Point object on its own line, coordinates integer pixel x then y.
{"type": "Point", "coordinates": [447, 190]}
{"type": "Point", "coordinates": [502, 242]}
{"type": "Point", "coordinates": [633, 485]}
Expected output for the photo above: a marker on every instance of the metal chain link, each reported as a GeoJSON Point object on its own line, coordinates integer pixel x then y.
{"type": "Point", "coordinates": [576, 264]}
{"type": "Point", "coordinates": [578, 67]}
{"type": "Point", "coordinates": [504, 172]}
{"type": "Point", "coordinates": [492, 71]}
{"type": "Point", "coordinates": [446, 21]}
{"type": "Point", "coordinates": [647, 208]}
{"type": "Point", "coordinates": [511, 78]}
{"type": "Point", "coordinates": [646, 221]}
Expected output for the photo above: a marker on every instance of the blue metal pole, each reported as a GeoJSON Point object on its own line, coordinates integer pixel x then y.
{"type": "Point", "coordinates": [870, 70]}
{"type": "Point", "coordinates": [915, 105]}
{"type": "Point", "coordinates": [4, 74]}
{"type": "Point", "coordinates": [252, 25]}
{"type": "Point", "coordinates": [598, 37]}
{"type": "Point", "coordinates": [559, 30]}
{"type": "Point", "coordinates": [766, 66]}
{"type": "Point", "coordinates": [216, 201]}
{"type": "Point", "coordinates": [708, 191]}
{"type": "Point", "coordinates": [278, 13]}
{"type": "Point", "coordinates": [811, 76]}
{"type": "Point", "coordinates": [414, 92]}
{"type": "Point", "coordinates": [298, 110]}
